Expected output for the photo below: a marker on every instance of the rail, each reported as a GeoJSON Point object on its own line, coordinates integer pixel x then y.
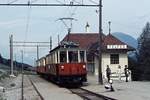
{"type": "Point", "coordinates": [41, 97]}
{"type": "Point", "coordinates": [88, 95]}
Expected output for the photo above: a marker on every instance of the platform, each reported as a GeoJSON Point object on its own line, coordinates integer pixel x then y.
{"type": "Point", "coordinates": [123, 90]}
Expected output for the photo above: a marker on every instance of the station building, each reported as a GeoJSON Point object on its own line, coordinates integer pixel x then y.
{"type": "Point", "coordinates": [114, 52]}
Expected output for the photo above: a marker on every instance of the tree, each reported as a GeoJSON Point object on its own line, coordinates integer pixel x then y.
{"type": "Point", "coordinates": [1, 59]}
{"type": "Point", "coordinates": [143, 67]}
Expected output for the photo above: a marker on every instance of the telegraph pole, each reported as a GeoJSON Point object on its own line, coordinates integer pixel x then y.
{"type": "Point", "coordinates": [22, 97]}
{"type": "Point", "coordinates": [22, 61]}
{"type": "Point", "coordinates": [15, 64]}
{"type": "Point", "coordinates": [11, 55]}
{"type": "Point", "coordinates": [100, 79]}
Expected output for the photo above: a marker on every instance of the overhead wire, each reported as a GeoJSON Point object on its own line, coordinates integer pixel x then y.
{"type": "Point", "coordinates": [45, 1]}
{"type": "Point", "coordinates": [73, 10]}
{"type": "Point", "coordinates": [143, 16]}
{"type": "Point", "coordinates": [33, 1]}
{"type": "Point", "coordinates": [76, 2]}
{"type": "Point", "coordinates": [27, 25]}
{"type": "Point", "coordinates": [71, 13]}
{"type": "Point", "coordinates": [12, 1]}
{"type": "Point", "coordinates": [28, 1]}
{"type": "Point", "coordinates": [93, 2]}
{"type": "Point", "coordinates": [59, 1]}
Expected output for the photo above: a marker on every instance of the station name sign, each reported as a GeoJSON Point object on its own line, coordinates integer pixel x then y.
{"type": "Point", "coordinates": [116, 46]}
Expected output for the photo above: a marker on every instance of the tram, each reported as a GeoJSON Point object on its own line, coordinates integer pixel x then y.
{"type": "Point", "coordinates": [64, 64]}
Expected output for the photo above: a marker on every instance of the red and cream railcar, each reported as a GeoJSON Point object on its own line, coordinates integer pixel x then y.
{"type": "Point", "coordinates": [41, 68]}
{"type": "Point", "coordinates": [65, 63]}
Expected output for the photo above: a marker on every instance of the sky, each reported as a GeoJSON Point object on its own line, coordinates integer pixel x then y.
{"type": "Point", "coordinates": [39, 23]}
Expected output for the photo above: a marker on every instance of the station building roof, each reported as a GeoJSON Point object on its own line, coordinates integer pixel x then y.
{"type": "Point", "coordinates": [91, 41]}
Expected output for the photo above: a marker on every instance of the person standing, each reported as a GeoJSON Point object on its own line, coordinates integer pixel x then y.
{"type": "Point", "coordinates": [108, 72]}
{"type": "Point", "coordinates": [126, 72]}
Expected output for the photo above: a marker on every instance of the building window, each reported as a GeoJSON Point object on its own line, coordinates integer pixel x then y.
{"type": "Point", "coordinates": [114, 58]}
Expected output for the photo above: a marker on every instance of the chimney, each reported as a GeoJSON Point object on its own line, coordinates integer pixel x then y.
{"type": "Point", "coordinates": [87, 27]}
{"type": "Point", "coordinates": [109, 27]}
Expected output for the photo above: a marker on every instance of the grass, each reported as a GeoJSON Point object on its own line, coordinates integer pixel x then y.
{"type": "Point", "coordinates": [4, 75]}
{"type": "Point", "coordinates": [1, 98]}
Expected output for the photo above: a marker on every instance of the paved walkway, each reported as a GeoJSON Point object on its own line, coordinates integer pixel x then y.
{"type": "Point", "coordinates": [51, 91]}
{"type": "Point", "coordinates": [29, 91]}
{"type": "Point", "coordinates": [123, 90]}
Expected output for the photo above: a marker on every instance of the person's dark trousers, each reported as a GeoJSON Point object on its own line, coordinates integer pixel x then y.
{"type": "Point", "coordinates": [108, 77]}
{"type": "Point", "coordinates": [126, 78]}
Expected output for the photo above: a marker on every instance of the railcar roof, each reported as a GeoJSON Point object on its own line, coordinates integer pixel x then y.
{"type": "Point", "coordinates": [66, 45]}
{"type": "Point", "coordinates": [40, 59]}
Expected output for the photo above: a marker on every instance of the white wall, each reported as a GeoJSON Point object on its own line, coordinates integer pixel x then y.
{"type": "Point", "coordinates": [123, 60]}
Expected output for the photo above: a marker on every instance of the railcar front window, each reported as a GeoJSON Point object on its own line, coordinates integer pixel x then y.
{"type": "Point", "coordinates": [82, 56]}
{"type": "Point", "coordinates": [63, 56]}
{"type": "Point", "coordinates": [73, 56]}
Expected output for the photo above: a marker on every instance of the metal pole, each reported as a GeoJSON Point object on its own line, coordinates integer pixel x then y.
{"type": "Point", "coordinates": [100, 79]}
{"type": "Point", "coordinates": [22, 97]}
{"type": "Point", "coordinates": [11, 54]}
{"type": "Point", "coordinates": [69, 30]}
{"type": "Point", "coordinates": [10, 51]}
{"type": "Point", "coordinates": [22, 60]}
{"type": "Point", "coordinates": [37, 52]}
{"type": "Point", "coordinates": [15, 64]}
{"type": "Point", "coordinates": [50, 43]}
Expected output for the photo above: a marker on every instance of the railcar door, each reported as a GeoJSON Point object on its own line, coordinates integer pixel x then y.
{"type": "Point", "coordinates": [73, 62]}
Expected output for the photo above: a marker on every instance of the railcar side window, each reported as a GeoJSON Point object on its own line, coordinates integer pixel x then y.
{"type": "Point", "coordinates": [44, 62]}
{"type": "Point", "coordinates": [63, 56]}
{"type": "Point", "coordinates": [38, 63]}
{"type": "Point", "coordinates": [73, 56]}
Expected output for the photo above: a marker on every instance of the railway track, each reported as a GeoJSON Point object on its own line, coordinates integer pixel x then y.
{"type": "Point", "coordinates": [85, 94]}
{"type": "Point", "coordinates": [88, 95]}
{"type": "Point", "coordinates": [41, 97]}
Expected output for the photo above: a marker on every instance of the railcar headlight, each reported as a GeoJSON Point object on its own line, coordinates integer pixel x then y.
{"type": "Point", "coordinates": [111, 81]}
{"type": "Point", "coordinates": [84, 66]}
{"type": "Point", "coordinates": [62, 67]}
